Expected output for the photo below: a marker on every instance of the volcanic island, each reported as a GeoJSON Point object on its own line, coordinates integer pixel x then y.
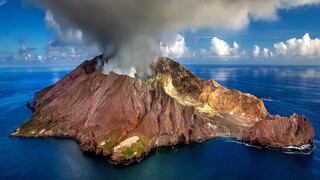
{"type": "Point", "coordinates": [125, 118]}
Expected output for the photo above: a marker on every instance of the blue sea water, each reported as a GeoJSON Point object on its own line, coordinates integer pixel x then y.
{"type": "Point", "coordinates": [285, 89]}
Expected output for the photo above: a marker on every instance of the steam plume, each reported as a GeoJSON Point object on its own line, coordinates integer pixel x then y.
{"type": "Point", "coordinates": [130, 29]}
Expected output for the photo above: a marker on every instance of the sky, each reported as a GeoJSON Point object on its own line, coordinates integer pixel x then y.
{"type": "Point", "coordinates": [29, 34]}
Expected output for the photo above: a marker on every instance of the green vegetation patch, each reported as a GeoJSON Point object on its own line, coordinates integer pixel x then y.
{"type": "Point", "coordinates": [135, 150]}
{"type": "Point", "coordinates": [106, 145]}
{"type": "Point", "coordinates": [128, 152]}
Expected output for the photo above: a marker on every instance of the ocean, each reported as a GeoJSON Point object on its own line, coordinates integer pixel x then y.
{"type": "Point", "coordinates": [284, 89]}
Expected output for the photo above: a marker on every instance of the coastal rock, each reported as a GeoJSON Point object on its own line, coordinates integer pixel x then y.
{"type": "Point", "coordinates": [125, 118]}
{"type": "Point", "coordinates": [280, 132]}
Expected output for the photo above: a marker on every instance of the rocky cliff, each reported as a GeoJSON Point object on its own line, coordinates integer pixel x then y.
{"type": "Point", "coordinates": [125, 118]}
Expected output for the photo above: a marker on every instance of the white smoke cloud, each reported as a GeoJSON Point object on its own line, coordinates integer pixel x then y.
{"type": "Point", "coordinates": [64, 35]}
{"type": "Point", "coordinates": [115, 25]}
{"type": "Point", "coordinates": [175, 49]}
{"type": "Point", "coordinates": [304, 47]}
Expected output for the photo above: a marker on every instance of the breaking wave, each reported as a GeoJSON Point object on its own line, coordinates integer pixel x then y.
{"type": "Point", "coordinates": [267, 99]}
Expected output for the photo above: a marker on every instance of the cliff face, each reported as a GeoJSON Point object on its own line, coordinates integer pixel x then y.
{"type": "Point", "coordinates": [125, 118]}
{"type": "Point", "coordinates": [281, 132]}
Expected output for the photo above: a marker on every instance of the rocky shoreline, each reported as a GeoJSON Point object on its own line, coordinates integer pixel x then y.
{"type": "Point", "coordinates": [125, 118]}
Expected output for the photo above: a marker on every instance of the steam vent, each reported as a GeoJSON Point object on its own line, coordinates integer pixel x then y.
{"type": "Point", "coordinates": [125, 118]}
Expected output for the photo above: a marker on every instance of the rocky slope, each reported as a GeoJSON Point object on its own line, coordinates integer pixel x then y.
{"type": "Point", "coordinates": [281, 132]}
{"type": "Point", "coordinates": [125, 118]}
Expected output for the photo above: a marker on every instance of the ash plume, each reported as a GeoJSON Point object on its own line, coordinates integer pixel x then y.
{"type": "Point", "coordinates": [129, 31]}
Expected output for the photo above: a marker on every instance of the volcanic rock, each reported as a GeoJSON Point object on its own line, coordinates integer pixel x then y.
{"type": "Point", "coordinates": [125, 118]}
{"type": "Point", "coordinates": [281, 132]}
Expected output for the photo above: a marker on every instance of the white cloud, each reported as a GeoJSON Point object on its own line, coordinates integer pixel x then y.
{"type": "Point", "coordinates": [259, 52]}
{"type": "Point", "coordinates": [24, 49]}
{"type": "Point", "coordinates": [116, 25]}
{"type": "Point", "coordinates": [40, 58]}
{"type": "Point", "coordinates": [235, 48]}
{"type": "Point", "coordinates": [280, 48]}
{"type": "Point", "coordinates": [256, 51]}
{"type": "Point", "coordinates": [220, 48]}
{"type": "Point", "coordinates": [69, 53]}
{"type": "Point", "coordinates": [28, 57]}
{"type": "Point", "coordinates": [50, 53]}
{"type": "Point", "coordinates": [266, 52]}
{"type": "Point", "coordinates": [204, 52]}
{"type": "Point", "coordinates": [155, 18]}
{"type": "Point", "coordinates": [176, 49]}
{"type": "Point", "coordinates": [2, 3]}
{"type": "Point", "coordinates": [304, 47]}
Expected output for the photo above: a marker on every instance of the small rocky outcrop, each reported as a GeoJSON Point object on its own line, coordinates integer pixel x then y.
{"type": "Point", "coordinates": [125, 118]}
{"type": "Point", "coordinates": [280, 132]}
